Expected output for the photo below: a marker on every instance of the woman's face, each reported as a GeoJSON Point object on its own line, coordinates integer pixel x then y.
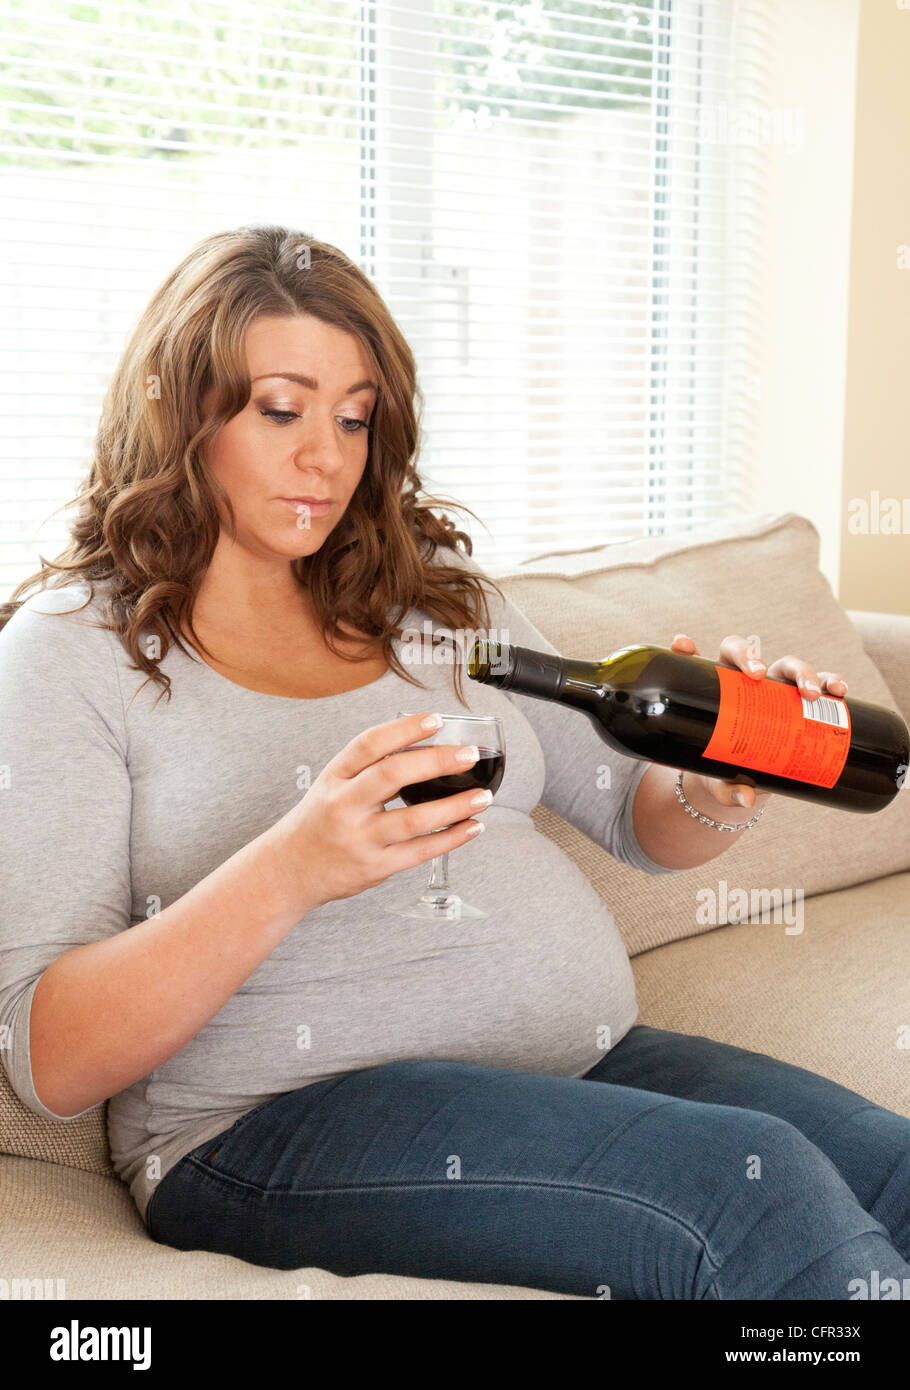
{"type": "Point", "coordinates": [297, 442]}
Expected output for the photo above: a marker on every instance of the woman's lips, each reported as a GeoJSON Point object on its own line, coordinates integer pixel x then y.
{"type": "Point", "coordinates": [308, 508]}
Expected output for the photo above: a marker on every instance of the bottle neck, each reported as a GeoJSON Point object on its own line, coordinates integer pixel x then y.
{"type": "Point", "coordinates": [580, 684]}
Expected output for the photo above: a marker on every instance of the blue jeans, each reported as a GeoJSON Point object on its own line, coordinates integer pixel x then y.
{"type": "Point", "coordinates": [693, 1170]}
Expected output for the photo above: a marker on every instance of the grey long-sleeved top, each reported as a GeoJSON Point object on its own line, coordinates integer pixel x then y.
{"type": "Point", "coordinates": [112, 810]}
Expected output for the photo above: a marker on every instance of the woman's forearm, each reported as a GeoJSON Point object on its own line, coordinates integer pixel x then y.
{"type": "Point", "coordinates": [107, 1013]}
{"type": "Point", "coordinates": [671, 837]}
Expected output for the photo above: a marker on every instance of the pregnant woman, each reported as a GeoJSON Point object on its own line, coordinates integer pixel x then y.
{"type": "Point", "coordinates": [202, 831]}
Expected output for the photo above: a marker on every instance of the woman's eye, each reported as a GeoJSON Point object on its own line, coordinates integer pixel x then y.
{"type": "Point", "coordinates": [282, 416]}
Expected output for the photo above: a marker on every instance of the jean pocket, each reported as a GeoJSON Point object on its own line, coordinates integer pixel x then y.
{"type": "Point", "coordinates": [206, 1151]}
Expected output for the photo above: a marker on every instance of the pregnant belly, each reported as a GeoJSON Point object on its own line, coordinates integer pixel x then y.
{"type": "Point", "coordinates": [541, 984]}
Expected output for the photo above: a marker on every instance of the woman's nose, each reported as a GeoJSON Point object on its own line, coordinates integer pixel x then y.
{"type": "Point", "coordinates": [320, 447]}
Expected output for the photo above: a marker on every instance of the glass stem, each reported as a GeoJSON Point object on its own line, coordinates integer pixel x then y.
{"type": "Point", "coordinates": [438, 890]}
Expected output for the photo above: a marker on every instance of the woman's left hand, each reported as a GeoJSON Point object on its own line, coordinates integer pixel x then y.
{"type": "Point", "coordinates": [742, 653]}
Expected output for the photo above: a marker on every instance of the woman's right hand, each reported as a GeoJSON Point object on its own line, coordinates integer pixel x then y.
{"type": "Point", "coordinates": [340, 840]}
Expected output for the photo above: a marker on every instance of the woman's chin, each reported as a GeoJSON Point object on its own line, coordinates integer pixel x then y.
{"type": "Point", "coordinates": [309, 546]}
{"type": "Point", "coordinates": [296, 542]}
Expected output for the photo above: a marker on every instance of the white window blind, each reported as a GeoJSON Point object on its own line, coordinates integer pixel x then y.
{"type": "Point", "coordinates": [551, 196]}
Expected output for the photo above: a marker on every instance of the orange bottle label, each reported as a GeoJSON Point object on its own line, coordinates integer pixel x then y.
{"type": "Point", "coordinates": [768, 726]}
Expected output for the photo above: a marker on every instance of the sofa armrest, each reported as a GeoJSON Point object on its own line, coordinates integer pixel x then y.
{"type": "Point", "coordinates": [886, 638]}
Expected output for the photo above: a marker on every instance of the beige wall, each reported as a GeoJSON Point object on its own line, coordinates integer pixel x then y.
{"type": "Point", "coordinates": [805, 246]}
{"type": "Point", "coordinates": [875, 568]}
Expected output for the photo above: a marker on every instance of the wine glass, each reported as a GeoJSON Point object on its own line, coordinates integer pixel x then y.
{"type": "Point", "coordinates": [438, 902]}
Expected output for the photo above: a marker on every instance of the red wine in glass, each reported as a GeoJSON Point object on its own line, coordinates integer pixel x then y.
{"type": "Point", "coordinates": [485, 774]}
{"type": "Point", "coordinates": [438, 902]}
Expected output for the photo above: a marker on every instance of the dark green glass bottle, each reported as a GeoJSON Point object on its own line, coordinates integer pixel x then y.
{"type": "Point", "coordinates": [670, 708]}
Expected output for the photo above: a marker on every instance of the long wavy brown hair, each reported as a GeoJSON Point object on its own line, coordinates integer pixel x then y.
{"type": "Point", "coordinates": [147, 520]}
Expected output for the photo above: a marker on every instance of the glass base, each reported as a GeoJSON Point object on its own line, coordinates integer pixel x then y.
{"type": "Point", "coordinates": [449, 908]}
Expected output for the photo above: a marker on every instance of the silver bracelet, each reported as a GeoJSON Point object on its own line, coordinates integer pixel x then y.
{"type": "Point", "coordinates": [706, 820]}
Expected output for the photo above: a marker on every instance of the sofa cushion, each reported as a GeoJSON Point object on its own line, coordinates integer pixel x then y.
{"type": "Point", "coordinates": [834, 998]}
{"type": "Point", "coordinates": [756, 574]}
{"type": "Point", "coordinates": [84, 1229]}
{"type": "Point", "coordinates": [78, 1143]}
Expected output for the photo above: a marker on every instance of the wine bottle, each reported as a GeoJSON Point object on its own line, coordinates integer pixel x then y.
{"type": "Point", "coordinates": [691, 713]}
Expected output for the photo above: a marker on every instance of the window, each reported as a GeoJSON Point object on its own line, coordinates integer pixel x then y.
{"type": "Point", "coordinates": [543, 191]}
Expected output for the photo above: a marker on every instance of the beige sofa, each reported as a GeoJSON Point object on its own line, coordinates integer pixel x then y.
{"type": "Point", "coordinates": [833, 995]}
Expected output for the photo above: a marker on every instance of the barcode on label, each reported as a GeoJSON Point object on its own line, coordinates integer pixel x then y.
{"type": "Point", "coordinates": [825, 711]}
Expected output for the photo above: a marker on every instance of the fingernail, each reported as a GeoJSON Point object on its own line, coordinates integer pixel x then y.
{"type": "Point", "coordinates": [475, 828]}
{"type": "Point", "coordinates": [810, 685]}
{"type": "Point", "coordinates": [740, 799]}
{"type": "Point", "coordinates": [432, 721]}
{"type": "Point", "coordinates": [756, 665]}
{"type": "Point", "coordinates": [469, 754]}
{"type": "Point", "coordinates": [481, 799]}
